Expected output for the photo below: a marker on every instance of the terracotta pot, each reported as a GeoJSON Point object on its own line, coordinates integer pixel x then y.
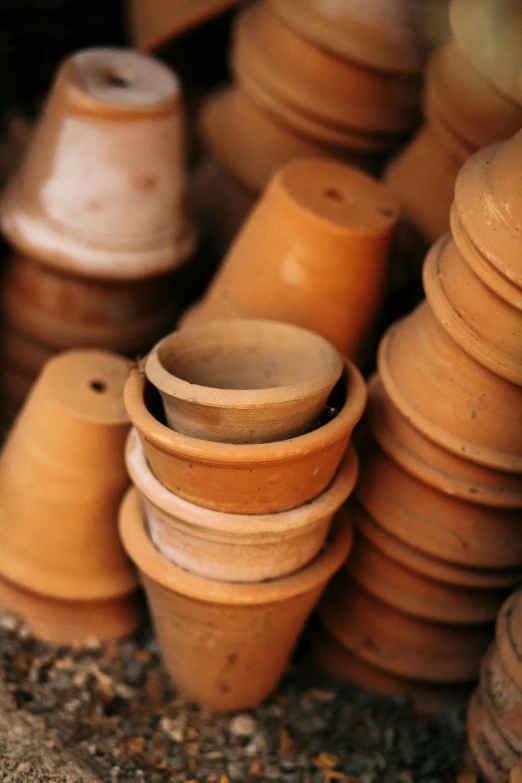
{"type": "Point", "coordinates": [323, 95]}
{"type": "Point", "coordinates": [489, 32]}
{"type": "Point", "coordinates": [509, 636]}
{"type": "Point", "coordinates": [432, 464]}
{"type": "Point", "coordinates": [516, 773]}
{"type": "Point", "coordinates": [416, 594]}
{"type": "Point", "coordinates": [313, 216]}
{"type": "Point", "coordinates": [492, 753]}
{"type": "Point", "coordinates": [469, 541]}
{"type": "Point", "coordinates": [474, 413]}
{"type": "Point", "coordinates": [226, 645]}
{"type": "Point", "coordinates": [154, 23]}
{"type": "Point", "coordinates": [404, 645]}
{"type": "Point", "coordinates": [256, 478]}
{"type": "Point", "coordinates": [427, 699]}
{"type": "Point", "coordinates": [244, 381]}
{"type": "Point", "coordinates": [484, 325]}
{"type": "Point", "coordinates": [501, 697]}
{"type": "Point", "coordinates": [232, 547]}
{"type": "Point", "coordinates": [126, 219]}
{"type": "Point", "coordinates": [67, 447]}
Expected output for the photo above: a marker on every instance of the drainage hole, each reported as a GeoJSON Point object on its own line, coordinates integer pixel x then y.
{"type": "Point", "coordinates": [98, 386]}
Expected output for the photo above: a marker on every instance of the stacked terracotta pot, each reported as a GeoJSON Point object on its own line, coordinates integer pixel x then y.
{"type": "Point", "coordinates": [95, 216]}
{"type": "Point", "coordinates": [440, 540]}
{"type": "Point", "coordinates": [311, 80]}
{"type": "Point", "coordinates": [239, 470]}
{"type": "Point", "coordinates": [471, 100]}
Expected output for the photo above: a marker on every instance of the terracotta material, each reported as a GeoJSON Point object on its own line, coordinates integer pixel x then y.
{"type": "Point", "coordinates": [317, 244]}
{"type": "Point", "coordinates": [432, 464]}
{"type": "Point", "coordinates": [501, 697]}
{"type": "Point", "coordinates": [247, 478]}
{"type": "Point", "coordinates": [232, 547]}
{"type": "Point", "coordinates": [62, 475]}
{"type": "Point", "coordinates": [493, 755]}
{"type": "Point", "coordinates": [404, 645]}
{"type": "Point", "coordinates": [484, 325]}
{"type": "Point", "coordinates": [226, 645]}
{"type": "Point", "coordinates": [509, 636]}
{"type": "Point", "coordinates": [473, 413]}
{"type": "Point", "coordinates": [154, 23]}
{"type": "Point", "coordinates": [244, 381]}
{"type": "Point", "coordinates": [126, 218]}
{"type": "Point", "coordinates": [449, 536]}
{"type": "Point", "coordinates": [516, 773]}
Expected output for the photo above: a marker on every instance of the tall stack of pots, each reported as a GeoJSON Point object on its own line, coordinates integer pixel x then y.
{"type": "Point", "coordinates": [440, 540]}
{"type": "Point", "coordinates": [240, 465]}
{"type": "Point", "coordinates": [98, 228]}
{"type": "Point", "coordinates": [311, 80]}
{"type": "Point", "coordinates": [471, 100]}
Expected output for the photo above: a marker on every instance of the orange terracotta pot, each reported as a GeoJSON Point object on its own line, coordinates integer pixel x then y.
{"type": "Point", "coordinates": [427, 699]}
{"type": "Point", "coordinates": [484, 325]}
{"type": "Point", "coordinates": [256, 478]}
{"type": "Point", "coordinates": [508, 636]}
{"type": "Point", "coordinates": [432, 464]}
{"type": "Point", "coordinates": [67, 447]}
{"type": "Point", "coordinates": [234, 547]}
{"type": "Point", "coordinates": [313, 216]}
{"type": "Point", "coordinates": [493, 755]}
{"type": "Point", "coordinates": [501, 697]}
{"type": "Point", "coordinates": [244, 381]}
{"type": "Point", "coordinates": [457, 534]}
{"type": "Point", "coordinates": [516, 773]}
{"type": "Point", "coordinates": [404, 645]}
{"type": "Point", "coordinates": [474, 413]}
{"type": "Point", "coordinates": [126, 219]}
{"type": "Point", "coordinates": [226, 645]}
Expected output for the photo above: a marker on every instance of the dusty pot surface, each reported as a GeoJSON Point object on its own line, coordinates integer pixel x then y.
{"type": "Point", "coordinates": [487, 327]}
{"type": "Point", "coordinates": [399, 643]}
{"type": "Point", "coordinates": [474, 413]}
{"type": "Point", "coordinates": [234, 547]}
{"type": "Point", "coordinates": [257, 478]}
{"type": "Point", "coordinates": [126, 219]}
{"type": "Point", "coordinates": [244, 380]}
{"type": "Point", "coordinates": [508, 636]}
{"type": "Point", "coordinates": [226, 645]}
{"type": "Point", "coordinates": [67, 447]}
{"type": "Point", "coordinates": [501, 697]}
{"type": "Point", "coordinates": [492, 753]}
{"type": "Point", "coordinates": [435, 466]}
{"type": "Point", "coordinates": [317, 244]}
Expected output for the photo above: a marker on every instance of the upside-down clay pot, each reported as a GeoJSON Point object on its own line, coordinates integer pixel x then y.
{"type": "Point", "coordinates": [394, 641]}
{"type": "Point", "coordinates": [508, 636]}
{"type": "Point", "coordinates": [244, 381]}
{"type": "Point", "coordinates": [226, 645]}
{"type": "Point", "coordinates": [235, 547]}
{"type": "Point", "coordinates": [494, 756]}
{"type": "Point", "coordinates": [317, 244]}
{"type": "Point", "coordinates": [454, 401]}
{"type": "Point", "coordinates": [434, 465]}
{"type": "Point", "coordinates": [258, 478]}
{"type": "Point", "coordinates": [83, 200]}
{"type": "Point", "coordinates": [501, 697]}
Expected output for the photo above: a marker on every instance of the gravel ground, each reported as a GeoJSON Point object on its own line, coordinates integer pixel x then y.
{"type": "Point", "coordinates": [108, 714]}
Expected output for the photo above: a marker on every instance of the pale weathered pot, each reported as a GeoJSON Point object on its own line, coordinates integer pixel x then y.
{"type": "Point", "coordinates": [501, 697]}
{"type": "Point", "coordinates": [257, 478]}
{"type": "Point", "coordinates": [83, 201]}
{"type": "Point", "coordinates": [234, 547]}
{"type": "Point", "coordinates": [226, 645]}
{"type": "Point", "coordinates": [492, 753]}
{"type": "Point", "coordinates": [508, 636]}
{"type": "Point", "coordinates": [244, 381]}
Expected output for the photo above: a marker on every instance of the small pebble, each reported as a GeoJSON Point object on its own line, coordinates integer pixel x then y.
{"type": "Point", "coordinates": [242, 725]}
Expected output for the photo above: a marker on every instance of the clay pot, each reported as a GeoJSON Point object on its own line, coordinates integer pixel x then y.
{"type": "Point", "coordinates": [468, 541]}
{"type": "Point", "coordinates": [125, 219]}
{"type": "Point", "coordinates": [231, 547]}
{"type": "Point", "coordinates": [432, 464]}
{"type": "Point", "coordinates": [494, 756]}
{"type": "Point", "coordinates": [501, 697]}
{"type": "Point", "coordinates": [404, 645]}
{"type": "Point", "coordinates": [427, 699]}
{"type": "Point", "coordinates": [244, 381]}
{"type": "Point", "coordinates": [509, 636]}
{"type": "Point", "coordinates": [153, 23]}
{"type": "Point", "coordinates": [474, 413]}
{"type": "Point", "coordinates": [67, 448]}
{"type": "Point", "coordinates": [516, 773]}
{"type": "Point", "coordinates": [226, 645]}
{"type": "Point", "coordinates": [313, 216]}
{"type": "Point", "coordinates": [484, 325]}
{"type": "Point", "coordinates": [256, 478]}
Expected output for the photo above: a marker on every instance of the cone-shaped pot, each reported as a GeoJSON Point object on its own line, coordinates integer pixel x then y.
{"type": "Point", "coordinates": [508, 636]}
{"type": "Point", "coordinates": [317, 244]}
{"type": "Point", "coordinates": [257, 478]}
{"type": "Point", "coordinates": [62, 476]}
{"type": "Point", "coordinates": [234, 547]}
{"type": "Point", "coordinates": [492, 753]}
{"type": "Point", "coordinates": [83, 200]}
{"type": "Point", "coordinates": [501, 696]}
{"type": "Point", "coordinates": [244, 381]}
{"type": "Point", "coordinates": [226, 645]}
{"type": "Point", "coordinates": [454, 401]}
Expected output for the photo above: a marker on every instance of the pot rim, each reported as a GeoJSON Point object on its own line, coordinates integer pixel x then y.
{"type": "Point", "coordinates": [172, 442]}
{"type": "Point", "coordinates": [153, 565]}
